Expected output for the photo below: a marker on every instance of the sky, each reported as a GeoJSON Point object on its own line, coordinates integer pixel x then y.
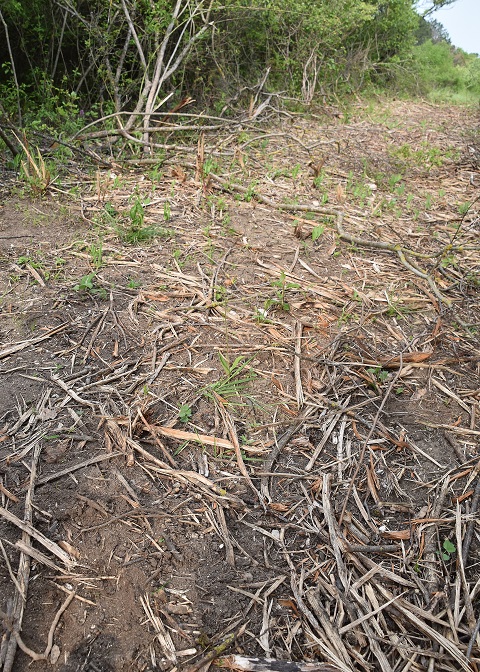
{"type": "Point", "coordinates": [462, 21]}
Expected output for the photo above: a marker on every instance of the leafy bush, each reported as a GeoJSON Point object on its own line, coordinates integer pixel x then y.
{"type": "Point", "coordinates": [443, 72]}
{"type": "Point", "coordinates": [64, 64]}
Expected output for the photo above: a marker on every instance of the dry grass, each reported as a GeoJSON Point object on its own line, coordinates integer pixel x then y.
{"type": "Point", "coordinates": [301, 362]}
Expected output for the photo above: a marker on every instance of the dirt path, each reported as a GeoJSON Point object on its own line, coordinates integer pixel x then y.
{"type": "Point", "coordinates": [221, 417]}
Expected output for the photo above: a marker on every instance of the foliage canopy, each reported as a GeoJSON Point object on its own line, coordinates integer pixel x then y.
{"type": "Point", "coordinates": [65, 62]}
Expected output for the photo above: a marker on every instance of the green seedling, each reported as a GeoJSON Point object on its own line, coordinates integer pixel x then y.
{"type": "Point", "coordinates": [184, 413]}
{"type": "Point", "coordinates": [87, 285]}
{"type": "Point", "coordinates": [96, 253]}
{"type": "Point", "coordinates": [345, 317]}
{"type": "Point", "coordinates": [156, 173]}
{"type": "Point", "coordinates": [250, 193]}
{"type": "Point", "coordinates": [28, 261]}
{"type": "Point", "coordinates": [295, 171]}
{"type": "Point", "coordinates": [378, 373]}
{"type": "Point", "coordinates": [317, 232]}
{"type": "Point", "coordinates": [137, 214]}
{"type": "Point", "coordinates": [137, 232]}
{"type": "Point", "coordinates": [279, 300]}
{"type": "Point", "coordinates": [177, 255]}
{"type": "Point", "coordinates": [237, 376]}
{"type": "Point", "coordinates": [448, 549]}
{"type": "Point", "coordinates": [393, 180]}
{"type": "Point", "coordinates": [260, 315]}
{"type": "Point", "coordinates": [448, 260]}
{"type": "Point", "coordinates": [220, 293]}
{"type": "Point", "coordinates": [209, 166]}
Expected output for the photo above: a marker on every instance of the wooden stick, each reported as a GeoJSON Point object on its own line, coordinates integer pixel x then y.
{"type": "Point", "coordinates": [23, 574]}
{"type": "Point", "coordinates": [236, 662]}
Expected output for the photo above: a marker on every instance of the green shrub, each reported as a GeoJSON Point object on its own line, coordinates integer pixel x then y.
{"type": "Point", "coordinates": [442, 72]}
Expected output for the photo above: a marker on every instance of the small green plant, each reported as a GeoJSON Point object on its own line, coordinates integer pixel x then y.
{"type": "Point", "coordinates": [96, 253]}
{"type": "Point", "coordinates": [87, 285]}
{"type": "Point", "coordinates": [279, 300]}
{"type": "Point", "coordinates": [463, 208]}
{"type": "Point", "coordinates": [378, 373]}
{"type": "Point", "coordinates": [133, 284]}
{"type": "Point", "coordinates": [28, 261]}
{"type": "Point", "coordinates": [156, 173]}
{"type": "Point", "coordinates": [448, 549]}
{"type": "Point", "coordinates": [34, 170]}
{"type": "Point", "coordinates": [210, 166]}
{"type": "Point", "coordinates": [177, 255]}
{"type": "Point", "coordinates": [356, 296]}
{"type": "Point", "coordinates": [448, 260]}
{"type": "Point", "coordinates": [137, 232]}
{"type": "Point", "coordinates": [59, 266]}
{"type": "Point", "coordinates": [260, 315]}
{"type": "Point", "coordinates": [167, 213]}
{"type": "Point", "coordinates": [137, 214]}
{"type": "Point", "coordinates": [237, 376]}
{"type": "Point", "coordinates": [184, 413]}
{"type": "Point", "coordinates": [345, 317]}
{"type": "Point", "coordinates": [473, 279]}
{"type": "Point", "coordinates": [317, 232]}
{"type": "Point", "coordinates": [395, 308]}
{"type": "Point", "coordinates": [250, 193]}
{"type": "Point", "coordinates": [359, 190]}
{"type": "Point", "coordinates": [220, 293]}
{"type": "Point", "coordinates": [295, 171]}
{"type": "Point", "coordinates": [278, 172]}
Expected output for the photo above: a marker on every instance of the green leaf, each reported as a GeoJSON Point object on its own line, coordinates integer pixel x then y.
{"type": "Point", "coordinates": [184, 413]}
{"type": "Point", "coordinates": [449, 547]}
{"type": "Point", "coordinates": [317, 232]}
{"type": "Point", "coordinates": [224, 362]}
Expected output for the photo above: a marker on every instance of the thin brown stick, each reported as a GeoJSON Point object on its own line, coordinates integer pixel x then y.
{"type": "Point", "coordinates": [23, 574]}
{"type": "Point", "coordinates": [32, 654]}
{"type": "Point", "coordinates": [365, 443]}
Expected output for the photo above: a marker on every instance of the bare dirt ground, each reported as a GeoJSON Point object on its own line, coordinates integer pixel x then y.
{"type": "Point", "coordinates": [239, 403]}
